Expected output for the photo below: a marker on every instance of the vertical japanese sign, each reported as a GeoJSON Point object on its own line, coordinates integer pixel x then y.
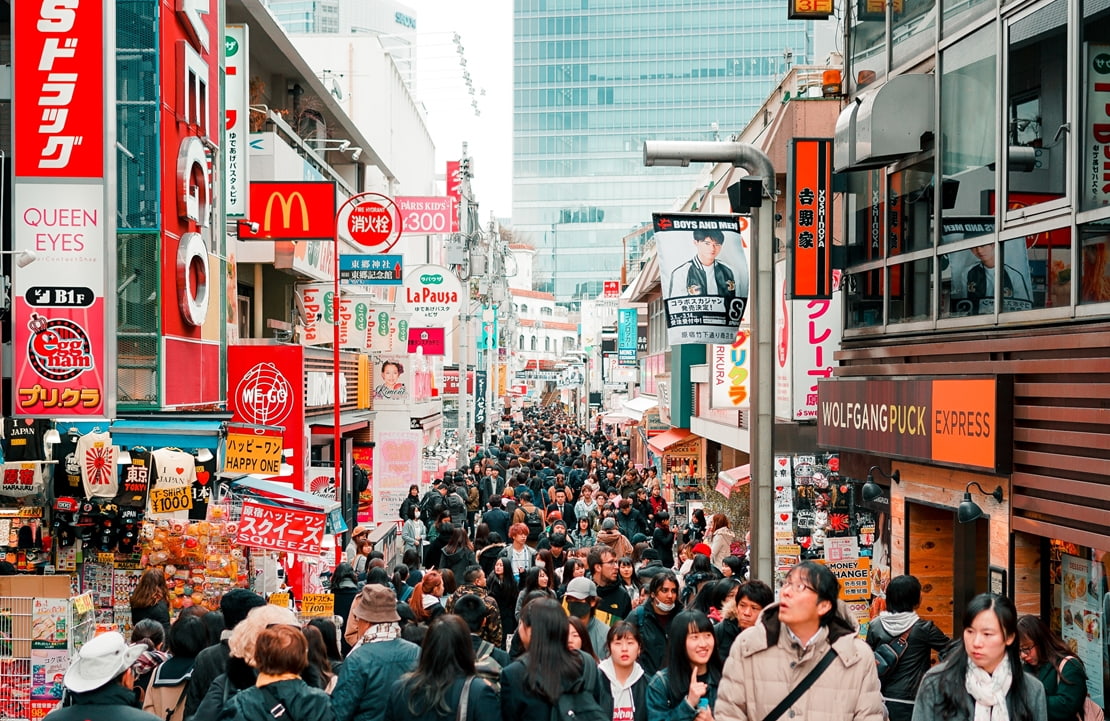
{"type": "Point", "coordinates": [730, 372]}
{"type": "Point", "coordinates": [703, 270]}
{"type": "Point", "coordinates": [816, 336]}
{"type": "Point", "coordinates": [454, 192]}
{"type": "Point", "coordinates": [396, 467]}
{"type": "Point", "coordinates": [236, 119]}
{"type": "Point", "coordinates": [64, 131]}
{"type": "Point", "coordinates": [480, 385]}
{"type": "Point", "coordinates": [627, 324]}
{"type": "Point", "coordinates": [1096, 134]}
{"type": "Point", "coordinates": [810, 205]}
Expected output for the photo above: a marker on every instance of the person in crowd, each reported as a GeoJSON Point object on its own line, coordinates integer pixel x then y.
{"type": "Point", "coordinates": [578, 638]}
{"type": "Point", "coordinates": [487, 555]}
{"type": "Point", "coordinates": [411, 503]}
{"type": "Point", "coordinates": [449, 583]}
{"type": "Point", "coordinates": [630, 582]}
{"type": "Point", "coordinates": [519, 556]}
{"type": "Point", "coordinates": [624, 682]}
{"type": "Point", "coordinates": [481, 536]}
{"type": "Point", "coordinates": [919, 637]}
{"type": "Point", "coordinates": [585, 508]}
{"type": "Point", "coordinates": [497, 518]}
{"type": "Point", "coordinates": [99, 682]}
{"type": "Point", "coordinates": [400, 583]}
{"type": "Point", "coordinates": [564, 507]}
{"type": "Point", "coordinates": [318, 657]}
{"type": "Point", "coordinates": [443, 682]}
{"type": "Point", "coordinates": [531, 516]}
{"type": "Point", "coordinates": [663, 538]}
{"type": "Point", "coordinates": [720, 538]}
{"type": "Point", "coordinates": [380, 658]}
{"type": "Point", "coordinates": [572, 569]}
{"type": "Point", "coordinates": [444, 525]}
{"type": "Point", "coordinates": [580, 602]}
{"type": "Point", "coordinates": [792, 637]}
{"type": "Point", "coordinates": [1046, 657]}
{"type": "Point", "coordinates": [583, 536]}
{"type": "Point", "coordinates": [533, 684]}
{"type": "Point", "coordinates": [152, 634]}
{"type": "Point", "coordinates": [474, 583]}
{"type": "Point", "coordinates": [536, 579]}
{"type": "Point", "coordinates": [546, 561]}
{"type": "Point", "coordinates": [489, 658]}
{"type": "Point", "coordinates": [502, 586]}
{"type": "Point", "coordinates": [363, 547]}
{"type": "Point", "coordinates": [981, 677]}
{"type": "Point", "coordinates": [151, 598]}
{"type": "Point", "coordinates": [352, 545]}
{"type": "Point", "coordinates": [611, 536]}
{"type": "Point", "coordinates": [612, 597]}
{"type": "Point", "coordinates": [330, 637]}
{"type": "Point", "coordinates": [734, 567]}
{"type": "Point", "coordinates": [414, 533]}
{"type": "Point", "coordinates": [695, 528]}
{"type": "Point", "coordinates": [214, 626]}
{"type": "Point", "coordinates": [741, 613]}
{"type": "Point", "coordinates": [686, 687]}
{"type": "Point", "coordinates": [211, 663]}
{"type": "Point", "coordinates": [165, 696]}
{"type": "Point", "coordinates": [629, 520]}
{"type": "Point", "coordinates": [281, 656]}
{"type": "Point", "coordinates": [425, 602]}
{"type": "Point", "coordinates": [653, 620]}
{"type": "Point", "coordinates": [458, 554]}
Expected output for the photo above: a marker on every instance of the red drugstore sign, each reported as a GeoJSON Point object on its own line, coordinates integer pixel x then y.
{"type": "Point", "coordinates": [280, 529]}
{"type": "Point", "coordinates": [810, 204]}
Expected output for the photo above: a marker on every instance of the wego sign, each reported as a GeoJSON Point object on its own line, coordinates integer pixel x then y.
{"type": "Point", "coordinates": [290, 211]}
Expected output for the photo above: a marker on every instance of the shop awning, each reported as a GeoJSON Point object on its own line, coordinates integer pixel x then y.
{"type": "Point", "coordinates": [187, 435]}
{"type": "Point", "coordinates": [282, 494]}
{"type": "Point", "coordinates": [639, 405]}
{"type": "Point", "coordinates": [668, 439]}
{"type": "Point", "coordinates": [739, 476]}
{"type": "Point", "coordinates": [348, 423]}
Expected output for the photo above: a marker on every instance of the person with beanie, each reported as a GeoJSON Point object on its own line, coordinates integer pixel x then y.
{"type": "Point", "coordinates": [212, 661]}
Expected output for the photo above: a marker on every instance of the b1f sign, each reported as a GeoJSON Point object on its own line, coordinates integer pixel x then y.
{"type": "Point", "coordinates": [423, 215]}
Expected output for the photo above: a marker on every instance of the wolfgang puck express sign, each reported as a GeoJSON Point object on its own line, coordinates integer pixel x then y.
{"type": "Point", "coordinates": [961, 422]}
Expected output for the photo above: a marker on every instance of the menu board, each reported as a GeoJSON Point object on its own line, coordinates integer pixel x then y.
{"type": "Point", "coordinates": [1081, 622]}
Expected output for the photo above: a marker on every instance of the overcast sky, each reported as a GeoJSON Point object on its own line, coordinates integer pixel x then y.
{"type": "Point", "coordinates": [486, 31]}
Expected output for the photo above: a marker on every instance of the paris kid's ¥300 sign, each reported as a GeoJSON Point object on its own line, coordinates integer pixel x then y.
{"type": "Point", "coordinates": [958, 422]}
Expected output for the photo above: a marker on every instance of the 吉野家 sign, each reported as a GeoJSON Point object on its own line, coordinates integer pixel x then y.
{"type": "Point", "coordinates": [293, 530]}
{"type": "Point", "coordinates": [290, 211]}
{"type": "Point", "coordinates": [810, 206]}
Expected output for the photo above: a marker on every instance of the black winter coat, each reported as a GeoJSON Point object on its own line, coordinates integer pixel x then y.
{"type": "Point", "coordinates": [654, 632]}
{"type": "Point", "coordinates": [482, 704]}
{"type": "Point", "coordinates": [107, 703]}
{"type": "Point", "coordinates": [210, 663]}
{"type": "Point", "coordinates": [902, 682]}
{"type": "Point", "coordinates": [519, 703]}
{"type": "Point", "coordinates": [301, 701]}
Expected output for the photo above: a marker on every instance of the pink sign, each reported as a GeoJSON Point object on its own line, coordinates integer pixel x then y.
{"type": "Point", "coordinates": [280, 529]}
{"type": "Point", "coordinates": [431, 340]}
{"type": "Point", "coordinates": [427, 214]}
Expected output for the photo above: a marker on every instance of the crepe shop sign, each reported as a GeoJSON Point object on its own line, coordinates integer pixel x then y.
{"type": "Point", "coordinates": [280, 529]}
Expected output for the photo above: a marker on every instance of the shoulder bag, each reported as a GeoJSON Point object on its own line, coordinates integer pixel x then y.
{"type": "Point", "coordinates": [464, 697]}
{"type": "Point", "coordinates": [802, 687]}
{"type": "Point", "coordinates": [1091, 711]}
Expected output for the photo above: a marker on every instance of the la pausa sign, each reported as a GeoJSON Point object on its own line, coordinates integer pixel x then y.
{"type": "Point", "coordinates": [433, 294]}
{"type": "Point", "coordinates": [960, 422]}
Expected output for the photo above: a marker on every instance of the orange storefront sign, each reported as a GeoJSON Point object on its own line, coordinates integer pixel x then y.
{"type": "Point", "coordinates": [810, 205]}
{"type": "Point", "coordinates": [290, 211]}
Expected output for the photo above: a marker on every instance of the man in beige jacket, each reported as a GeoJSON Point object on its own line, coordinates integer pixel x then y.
{"type": "Point", "coordinates": [771, 658]}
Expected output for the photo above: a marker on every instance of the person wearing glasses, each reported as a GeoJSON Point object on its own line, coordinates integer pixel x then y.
{"type": "Point", "coordinates": [1060, 671]}
{"type": "Point", "coordinates": [704, 274]}
{"type": "Point", "coordinates": [790, 639]}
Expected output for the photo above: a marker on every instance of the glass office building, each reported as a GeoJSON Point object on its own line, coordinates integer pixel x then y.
{"type": "Point", "coordinates": [594, 79]}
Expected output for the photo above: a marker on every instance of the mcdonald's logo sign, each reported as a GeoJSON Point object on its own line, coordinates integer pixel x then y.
{"type": "Point", "coordinates": [290, 211]}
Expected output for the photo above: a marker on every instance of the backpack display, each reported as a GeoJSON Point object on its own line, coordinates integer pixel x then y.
{"type": "Point", "coordinates": [534, 521]}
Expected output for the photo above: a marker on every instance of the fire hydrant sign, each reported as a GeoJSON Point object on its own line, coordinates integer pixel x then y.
{"type": "Point", "coordinates": [280, 529]}
{"type": "Point", "coordinates": [248, 453]}
{"type": "Point", "coordinates": [317, 604]}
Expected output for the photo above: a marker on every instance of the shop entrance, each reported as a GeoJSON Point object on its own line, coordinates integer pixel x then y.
{"type": "Point", "coordinates": [950, 559]}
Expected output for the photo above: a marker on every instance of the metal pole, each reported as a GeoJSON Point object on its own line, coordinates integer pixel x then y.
{"type": "Point", "coordinates": [337, 449]}
{"type": "Point", "coordinates": [464, 321]}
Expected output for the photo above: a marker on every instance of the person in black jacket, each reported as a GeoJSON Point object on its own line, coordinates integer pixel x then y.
{"type": "Point", "coordinates": [99, 682]}
{"type": "Point", "coordinates": [899, 685]}
{"type": "Point", "coordinates": [434, 690]}
{"type": "Point", "coordinates": [653, 620]}
{"type": "Point", "coordinates": [411, 502]}
{"type": "Point", "coordinates": [497, 518]}
{"type": "Point", "coordinates": [740, 613]}
{"type": "Point", "coordinates": [532, 685]}
{"type": "Point", "coordinates": [281, 656]}
{"type": "Point", "coordinates": [212, 661]}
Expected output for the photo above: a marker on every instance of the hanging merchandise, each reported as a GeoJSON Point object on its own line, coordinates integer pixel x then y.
{"type": "Point", "coordinates": [97, 457]}
{"type": "Point", "coordinates": [171, 494]}
{"type": "Point", "coordinates": [135, 480]}
{"type": "Point", "coordinates": [21, 478]}
{"type": "Point", "coordinates": [67, 470]}
{"type": "Point", "coordinates": [23, 439]}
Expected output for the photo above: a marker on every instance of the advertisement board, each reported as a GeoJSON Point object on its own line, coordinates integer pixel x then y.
{"type": "Point", "coordinates": [810, 205]}
{"type": "Point", "coordinates": [268, 390]}
{"type": "Point", "coordinates": [433, 295]}
{"type": "Point", "coordinates": [397, 456]}
{"type": "Point", "coordinates": [236, 119]}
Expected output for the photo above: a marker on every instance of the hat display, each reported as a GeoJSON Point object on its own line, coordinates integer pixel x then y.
{"type": "Point", "coordinates": [581, 588]}
{"type": "Point", "coordinates": [702, 548]}
{"type": "Point", "coordinates": [375, 604]}
{"type": "Point", "coordinates": [101, 660]}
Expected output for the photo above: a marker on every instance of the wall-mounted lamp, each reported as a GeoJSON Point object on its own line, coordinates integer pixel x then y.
{"type": "Point", "coordinates": [356, 152]}
{"type": "Point", "coordinates": [871, 490]}
{"type": "Point", "coordinates": [248, 225]}
{"type": "Point", "coordinates": [204, 455]}
{"type": "Point", "coordinates": [23, 258]}
{"type": "Point", "coordinates": [340, 145]}
{"type": "Point", "coordinates": [969, 510]}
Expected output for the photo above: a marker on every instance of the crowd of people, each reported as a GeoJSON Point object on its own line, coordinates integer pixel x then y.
{"type": "Point", "coordinates": [546, 582]}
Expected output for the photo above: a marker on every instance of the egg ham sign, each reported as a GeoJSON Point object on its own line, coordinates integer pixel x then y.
{"type": "Point", "coordinates": [432, 294]}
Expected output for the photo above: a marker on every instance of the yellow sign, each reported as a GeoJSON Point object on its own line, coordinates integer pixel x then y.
{"type": "Point", "coordinates": [802, 9]}
{"type": "Point", "coordinates": [168, 500]}
{"type": "Point", "coordinates": [248, 453]}
{"type": "Point", "coordinates": [854, 576]}
{"type": "Point", "coordinates": [30, 512]}
{"type": "Point", "coordinates": [106, 558]}
{"type": "Point", "coordinates": [83, 603]}
{"type": "Point", "coordinates": [279, 599]}
{"type": "Point", "coordinates": [317, 604]}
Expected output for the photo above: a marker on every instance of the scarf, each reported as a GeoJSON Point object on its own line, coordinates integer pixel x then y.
{"type": "Point", "coordinates": [379, 632]}
{"type": "Point", "coordinates": [898, 623]}
{"type": "Point", "coordinates": [989, 690]}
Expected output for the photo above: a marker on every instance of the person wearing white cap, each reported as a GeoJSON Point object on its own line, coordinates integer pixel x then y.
{"type": "Point", "coordinates": [100, 683]}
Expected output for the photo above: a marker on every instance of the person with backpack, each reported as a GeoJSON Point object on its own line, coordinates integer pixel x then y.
{"type": "Point", "coordinates": [474, 584]}
{"type": "Point", "coordinates": [909, 644]}
{"type": "Point", "coordinates": [802, 655]}
{"type": "Point", "coordinates": [686, 688]}
{"type": "Point", "coordinates": [169, 684]}
{"type": "Point", "coordinates": [281, 657]}
{"type": "Point", "coordinates": [532, 516]}
{"type": "Point", "coordinates": [549, 681]}
{"type": "Point", "coordinates": [443, 686]}
{"type": "Point", "coordinates": [1061, 672]}
{"type": "Point", "coordinates": [489, 658]}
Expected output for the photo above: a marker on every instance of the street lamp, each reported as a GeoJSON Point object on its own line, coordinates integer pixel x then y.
{"type": "Point", "coordinates": [762, 288]}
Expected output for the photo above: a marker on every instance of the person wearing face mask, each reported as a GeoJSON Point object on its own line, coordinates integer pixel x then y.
{"type": "Point", "coordinates": [653, 619]}
{"type": "Point", "coordinates": [580, 601]}
{"type": "Point", "coordinates": [414, 533]}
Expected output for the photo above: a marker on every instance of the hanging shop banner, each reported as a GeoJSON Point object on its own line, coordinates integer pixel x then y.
{"type": "Point", "coordinates": [809, 202]}
{"type": "Point", "coordinates": [703, 268]}
{"type": "Point", "coordinates": [958, 422]}
{"type": "Point", "coordinates": [454, 192]}
{"type": "Point", "coordinates": [61, 213]}
{"type": "Point", "coordinates": [627, 324]}
{"type": "Point", "coordinates": [611, 289]}
{"type": "Point", "coordinates": [432, 294]}
{"type": "Point", "coordinates": [806, 336]}
{"type": "Point", "coordinates": [451, 382]}
{"type": "Point", "coordinates": [1096, 134]}
{"type": "Point", "coordinates": [356, 313]}
{"type": "Point", "coordinates": [730, 372]}
{"type": "Point", "coordinates": [423, 215]}
{"type": "Point", "coordinates": [236, 120]}
{"type": "Point", "coordinates": [371, 269]}
{"type": "Point", "coordinates": [391, 382]}
{"type": "Point", "coordinates": [273, 528]}
{"type": "Point", "coordinates": [480, 386]}
{"type": "Point", "coordinates": [269, 391]}
{"type": "Point", "coordinates": [397, 456]}
{"type": "Point", "coordinates": [429, 341]}
{"type": "Point", "coordinates": [254, 454]}
{"type": "Point", "coordinates": [290, 211]}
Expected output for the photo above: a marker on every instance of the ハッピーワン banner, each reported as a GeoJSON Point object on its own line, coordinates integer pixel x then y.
{"type": "Point", "coordinates": [703, 271]}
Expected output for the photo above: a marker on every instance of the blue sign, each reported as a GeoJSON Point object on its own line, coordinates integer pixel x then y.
{"type": "Point", "coordinates": [370, 269]}
{"type": "Point", "coordinates": [627, 323]}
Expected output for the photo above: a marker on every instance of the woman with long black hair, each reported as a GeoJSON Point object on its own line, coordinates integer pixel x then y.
{"type": "Point", "coordinates": [533, 684]}
{"type": "Point", "coordinates": [1060, 671]}
{"type": "Point", "coordinates": [502, 585]}
{"type": "Point", "coordinates": [981, 679]}
{"type": "Point", "coordinates": [443, 674]}
{"type": "Point", "coordinates": [687, 687]}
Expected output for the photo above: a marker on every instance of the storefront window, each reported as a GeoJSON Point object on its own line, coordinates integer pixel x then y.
{"type": "Point", "coordinates": [868, 42]}
{"type": "Point", "coordinates": [912, 31]}
{"type": "Point", "coordinates": [911, 291]}
{"type": "Point", "coordinates": [1094, 263]}
{"type": "Point", "coordinates": [1077, 576]}
{"type": "Point", "coordinates": [1036, 107]}
{"type": "Point", "coordinates": [1094, 102]}
{"type": "Point", "coordinates": [864, 297]}
{"type": "Point", "coordinates": [1049, 260]}
{"type": "Point", "coordinates": [910, 209]}
{"type": "Point", "coordinates": [959, 14]}
{"type": "Point", "coordinates": [969, 280]}
{"type": "Point", "coordinates": [967, 145]}
{"type": "Point", "coordinates": [865, 216]}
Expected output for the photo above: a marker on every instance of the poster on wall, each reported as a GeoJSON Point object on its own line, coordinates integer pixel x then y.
{"type": "Point", "coordinates": [397, 456]}
{"type": "Point", "coordinates": [391, 380]}
{"type": "Point", "coordinates": [1081, 622]}
{"type": "Point", "coordinates": [363, 457]}
{"type": "Point", "coordinates": [703, 270]}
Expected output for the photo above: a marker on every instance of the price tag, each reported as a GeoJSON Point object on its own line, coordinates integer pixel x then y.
{"type": "Point", "coordinates": [83, 603]}
{"type": "Point", "coordinates": [279, 599]}
{"type": "Point", "coordinates": [106, 558]}
{"type": "Point", "coordinates": [317, 604]}
{"type": "Point", "coordinates": [30, 512]}
{"type": "Point", "coordinates": [168, 500]}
